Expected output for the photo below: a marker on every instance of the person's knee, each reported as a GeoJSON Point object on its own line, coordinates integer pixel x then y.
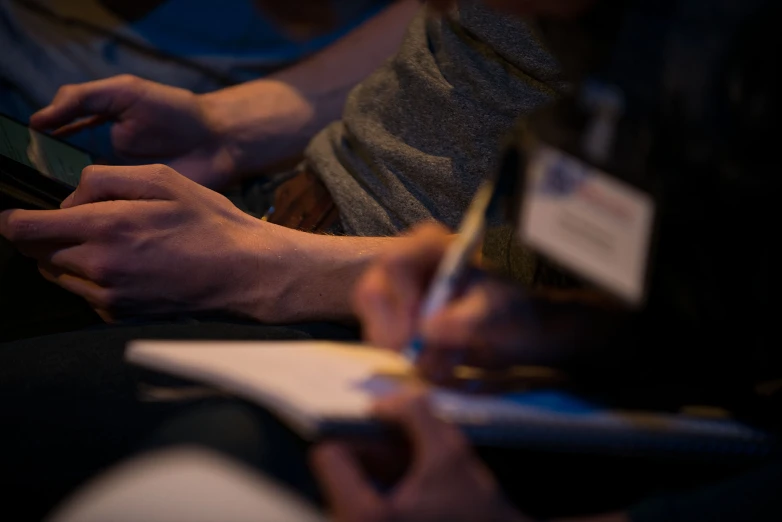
{"type": "Point", "coordinates": [226, 426]}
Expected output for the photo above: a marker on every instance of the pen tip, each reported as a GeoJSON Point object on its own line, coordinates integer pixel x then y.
{"type": "Point", "coordinates": [413, 349]}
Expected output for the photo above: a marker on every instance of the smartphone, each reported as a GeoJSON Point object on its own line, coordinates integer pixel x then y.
{"type": "Point", "coordinates": [36, 170]}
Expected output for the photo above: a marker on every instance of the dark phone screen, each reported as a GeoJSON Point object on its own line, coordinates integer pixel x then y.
{"type": "Point", "coordinates": [50, 157]}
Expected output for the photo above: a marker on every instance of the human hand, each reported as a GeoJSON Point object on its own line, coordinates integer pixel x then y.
{"type": "Point", "coordinates": [148, 241]}
{"type": "Point", "coordinates": [445, 480]}
{"type": "Point", "coordinates": [491, 324]}
{"type": "Point", "coordinates": [151, 122]}
{"type": "Point", "coordinates": [482, 326]}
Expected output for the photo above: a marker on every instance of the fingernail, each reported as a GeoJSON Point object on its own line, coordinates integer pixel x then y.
{"type": "Point", "coordinates": [67, 202]}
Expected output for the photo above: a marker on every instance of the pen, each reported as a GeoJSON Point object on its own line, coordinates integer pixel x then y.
{"type": "Point", "coordinates": [457, 257]}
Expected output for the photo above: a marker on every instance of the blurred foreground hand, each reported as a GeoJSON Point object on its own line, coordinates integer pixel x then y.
{"type": "Point", "coordinates": [445, 480]}
{"type": "Point", "coordinates": [491, 324]}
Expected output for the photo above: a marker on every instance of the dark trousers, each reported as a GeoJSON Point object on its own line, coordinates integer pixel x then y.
{"type": "Point", "coordinates": [541, 484]}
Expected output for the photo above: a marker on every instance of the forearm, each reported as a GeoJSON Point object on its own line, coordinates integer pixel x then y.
{"type": "Point", "coordinates": [268, 120]}
{"type": "Point", "coordinates": [309, 277]}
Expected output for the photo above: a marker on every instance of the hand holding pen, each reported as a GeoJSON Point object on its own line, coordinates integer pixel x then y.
{"type": "Point", "coordinates": [451, 271]}
{"type": "Point", "coordinates": [490, 328]}
{"type": "Point", "coordinates": [408, 287]}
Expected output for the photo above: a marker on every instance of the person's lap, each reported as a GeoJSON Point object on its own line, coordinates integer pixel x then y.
{"type": "Point", "coordinates": [542, 484]}
{"type": "Point", "coordinates": [71, 408]}
{"type": "Point", "coordinates": [70, 403]}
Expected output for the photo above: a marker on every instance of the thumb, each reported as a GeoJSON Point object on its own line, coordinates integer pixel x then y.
{"type": "Point", "coordinates": [109, 183]}
{"type": "Point", "coordinates": [351, 496]}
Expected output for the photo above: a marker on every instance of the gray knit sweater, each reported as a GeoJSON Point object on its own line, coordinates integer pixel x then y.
{"type": "Point", "coordinates": [419, 135]}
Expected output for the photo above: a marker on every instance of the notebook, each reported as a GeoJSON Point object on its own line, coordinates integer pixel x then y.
{"type": "Point", "coordinates": [324, 389]}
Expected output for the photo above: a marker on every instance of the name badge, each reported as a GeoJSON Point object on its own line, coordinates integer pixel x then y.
{"type": "Point", "coordinates": [591, 223]}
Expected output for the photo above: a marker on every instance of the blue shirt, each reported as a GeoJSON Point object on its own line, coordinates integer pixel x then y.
{"type": "Point", "coordinates": [236, 31]}
{"type": "Point", "coordinates": [231, 38]}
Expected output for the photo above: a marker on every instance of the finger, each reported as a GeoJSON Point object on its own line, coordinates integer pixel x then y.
{"type": "Point", "coordinates": [376, 306]}
{"type": "Point", "coordinates": [495, 325]}
{"type": "Point", "coordinates": [108, 97]}
{"type": "Point", "coordinates": [57, 226]}
{"type": "Point", "coordinates": [69, 226]}
{"type": "Point", "coordinates": [347, 489]}
{"type": "Point", "coordinates": [411, 268]}
{"type": "Point", "coordinates": [105, 315]}
{"type": "Point", "coordinates": [92, 293]}
{"type": "Point", "coordinates": [429, 435]}
{"type": "Point", "coordinates": [488, 316]}
{"type": "Point", "coordinates": [416, 257]}
{"type": "Point", "coordinates": [109, 183]}
{"type": "Point", "coordinates": [388, 297]}
{"type": "Point", "coordinates": [78, 126]}
{"type": "Point", "coordinates": [459, 323]}
{"type": "Point", "coordinates": [88, 261]}
{"type": "Point", "coordinates": [453, 334]}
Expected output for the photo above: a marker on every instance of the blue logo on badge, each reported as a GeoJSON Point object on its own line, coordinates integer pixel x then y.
{"type": "Point", "coordinates": [562, 177]}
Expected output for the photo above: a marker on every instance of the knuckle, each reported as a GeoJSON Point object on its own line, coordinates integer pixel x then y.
{"type": "Point", "coordinates": [157, 174]}
{"type": "Point", "coordinates": [129, 80]}
{"type": "Point", "coordinates": [395, 264]}
{"type": "Point", "coordinates": [426, 233]}
{"type": "Point", "coordinates": [123, 229]}
{"type": "Point", "coordinates": [431, 228]}
{"type": "Point", "coordinates": [66, 91]}
{"type": "Point", "coordinates": [108, 299]}
{"type": "Point", "coordinates": [368, 289]}
{"type": "Point", "coordinates": [125, 90]}
{"type": "Point", "coordinates": [160, 178]}
{"type": "Point", "coordinates": [89, 175]}
{"type": "Point", "coordinates": [160, 171]}
{"type": "Point", "coordinates": [101, 270]}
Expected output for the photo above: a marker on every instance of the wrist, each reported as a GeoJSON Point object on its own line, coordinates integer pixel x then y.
{"type": "Point", "coordinates": [254, 276]}
{"type": "Point", "coordinates": [324, 273]}
{"type": "Point", "coordinates": [258, 124]}
{"type": "Point", "coordinates": [303, 276]}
